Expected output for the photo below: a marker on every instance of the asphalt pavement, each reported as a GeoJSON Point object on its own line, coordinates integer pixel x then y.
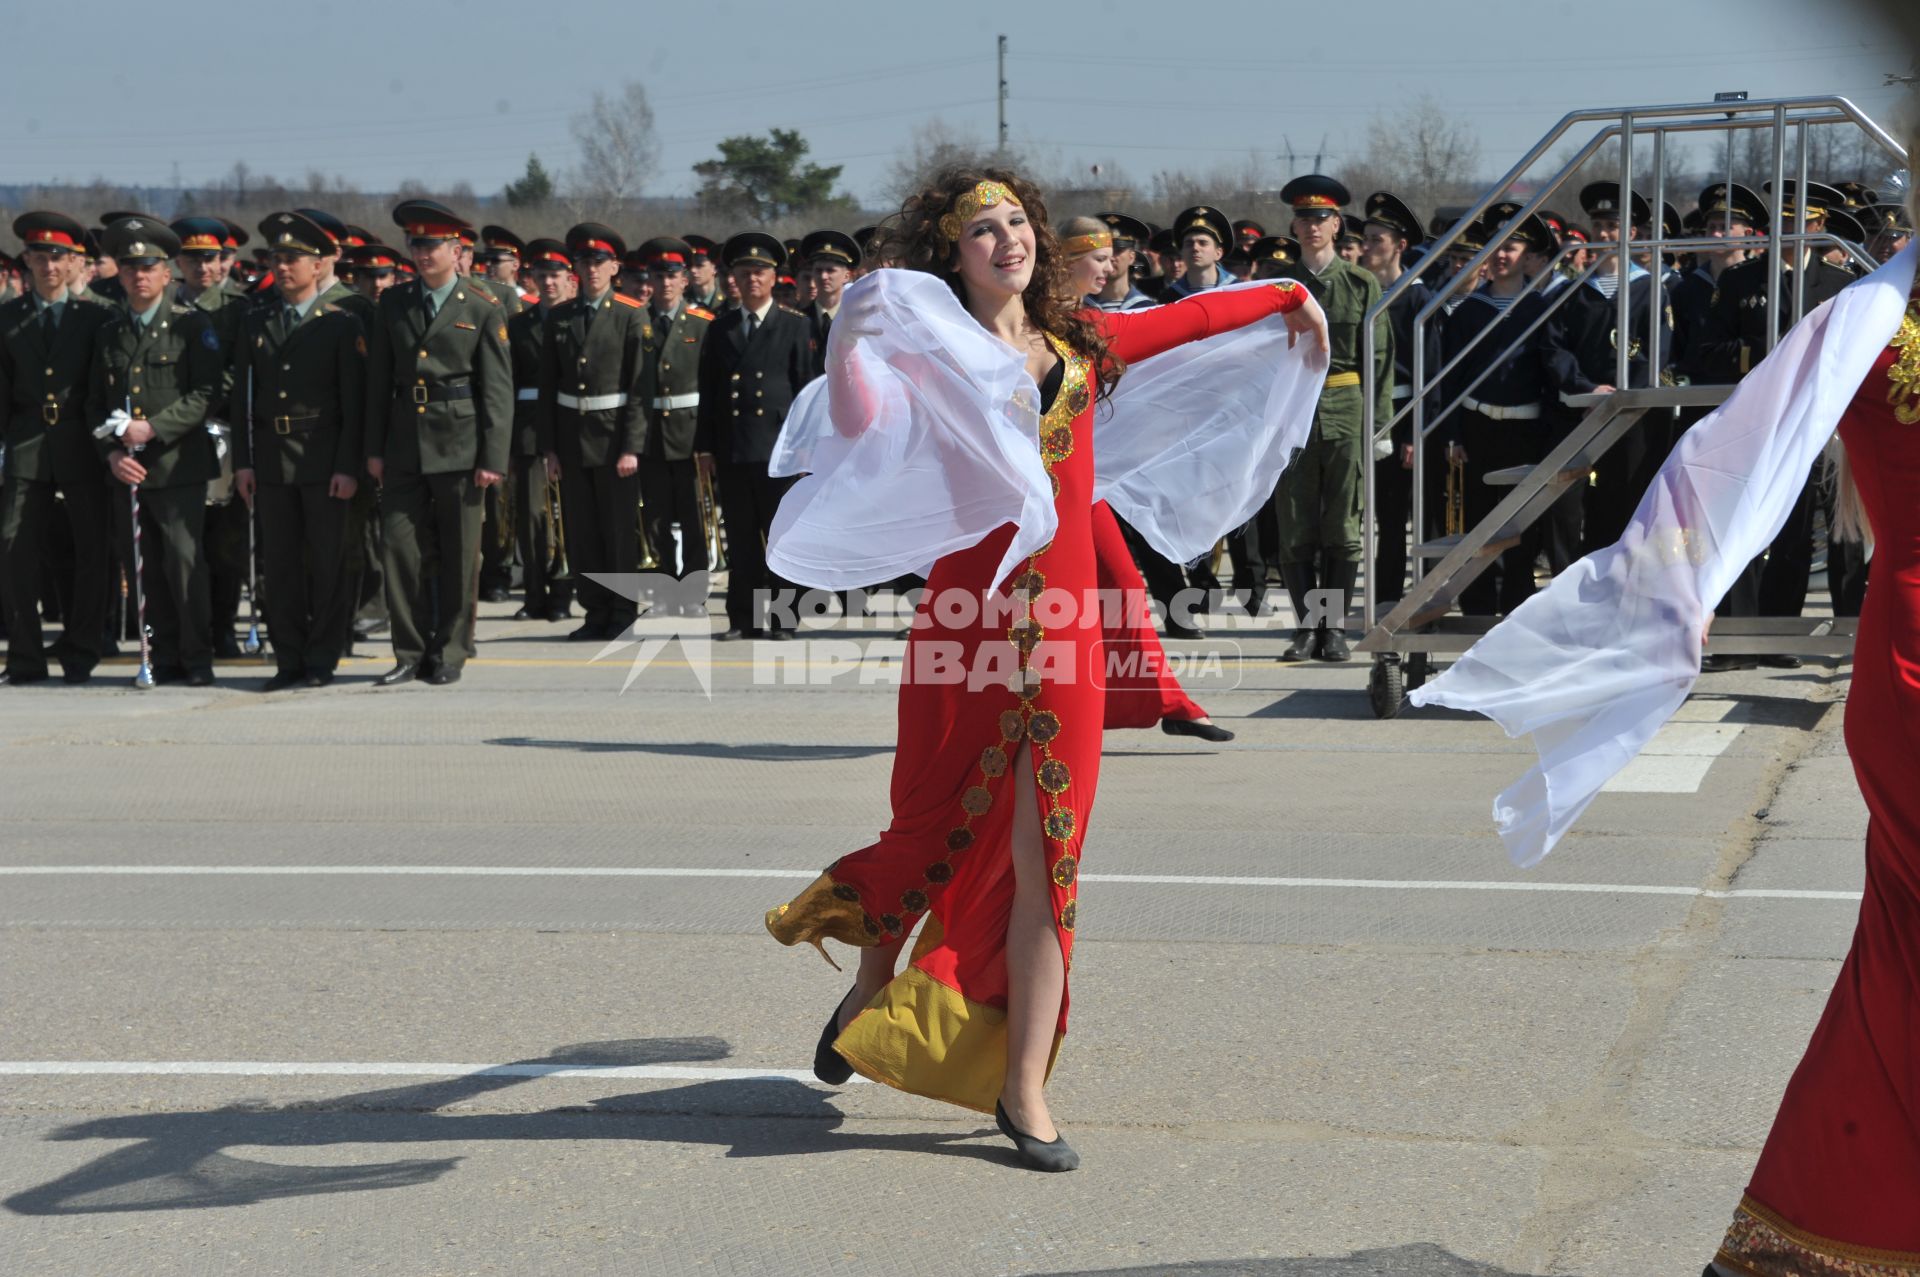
{"type": "Point", "coordinates": [473, 979]}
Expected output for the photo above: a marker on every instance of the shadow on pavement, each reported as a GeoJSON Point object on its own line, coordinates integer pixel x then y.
{"type": "Point", "coordinates": [759, 753]}
{"type": "Point", "coordinates": [1422, 1259]}
{"type": "Point", "coordinates": [179, 1160]}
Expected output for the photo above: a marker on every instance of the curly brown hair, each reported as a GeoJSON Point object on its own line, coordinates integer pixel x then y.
{"type": "Point", "coordinates": [915, 235]}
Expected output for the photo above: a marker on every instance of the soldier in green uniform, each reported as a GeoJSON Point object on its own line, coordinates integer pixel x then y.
{"type": "Point", "coordinates": [203, 264]}
{"type": "Point", "coordinates": [46, 348]}
{"type": "Point", "coordinates": [595, 385]}
{"type": "Point", "coordinates": [549, 590]}
{"type": "Point", "coordinates": [1321, 494]}
{"type": "Point", "coordinates": [497, 262]}
{"type": "Point", "coordinates": [703, 274]}
{"type": "Point", "coordinates": [439, 422]}
{"type": "Point", "coordinates": [669, 476]}
{"type": "Point", "coordinates": [160, 361]}
{"type": "Point", "coordinates": [301, 375]}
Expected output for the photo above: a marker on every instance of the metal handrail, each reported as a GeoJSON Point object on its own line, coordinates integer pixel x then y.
{"type": "Point", "coordinates": [1622, 123]}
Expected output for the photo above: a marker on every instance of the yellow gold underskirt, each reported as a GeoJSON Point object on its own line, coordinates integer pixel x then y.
{"type": "Point", "coordinates": [925, 1038]}
{"type": "Point", "coordinates": [1762, 1244]}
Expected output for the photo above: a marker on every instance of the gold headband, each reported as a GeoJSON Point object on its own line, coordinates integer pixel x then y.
{"type": "Point", "coordinates": [1081, 245]}
{"type": "Point", "coordinates": [968, 206]}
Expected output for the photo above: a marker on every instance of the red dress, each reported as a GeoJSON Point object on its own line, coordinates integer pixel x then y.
{"type": "Point", "coordinates": [1141, 690]}
{"type": "Point", "coordinates": [991, 667]}
{"type": "Point", "coordinates": [1837, 1188]}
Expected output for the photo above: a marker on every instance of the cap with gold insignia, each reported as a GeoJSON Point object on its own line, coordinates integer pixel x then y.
{"type": "Point", "coordinates": [428, 220]}
{"type": "Point", "coordinates": [792, 246]}
{"type": "Point", "coordinates": [1275, 248]}
{"type": "Point", "coordinates": [121, 215]}
{"type": "Point", "coordinates": [1202, 220]}
{"type": "Point", "coordinates": [703, 248]}
{"type": "Point", "coordinates": [332, 227]}
{"type": "Point", "coordinates": [359, 235]}
{"type": "Point", "coordinates": [664, 253]}
{"type": "Point", "coordinates": [546, 254]}
{"type": "Point", "coordinates": [1387, 209]}
{"type": "Point", "coordinates": [1128, 232]}
{"type": "Point", "coordinates": [834, 248]}
{"type": "Point", "coordinates": [53, 232]}
{"type": "Point", "coordinates": [1821, 199]}
{"type": "Point", "coordinates": [1857, 194]}
{"type": "Point", "coordinates": [1885, 219]}
{"type": "Point", "coordinates": [1602, 199]}
{"type": "Point", "coordinates": [201, 237]}
{"type": "Point", "coordinates": [295, 232]}
{"type": "Point", "coordinates": [1845, 225]}
{"type": "Point", "coordinates": [1246, 231]}
{"type": "Point", "coordinates": [753, 248]}
{"type": "Point", "coordinates": [591, 241]}
{"type": "Point", "coordinates": [374, 257]}
{"type": "Point", "coordinates": [1732, 204]}
{"type": "Point", "coordinates": [501, 242]}
{"type": "Point", "coordinates": [1316, 195]}
{"type": "Point", "coordinates": [863, 239]}
{"type": "Point", "coordinates": [1531, 230]}
{"type": "Point", "coordinates": [1352, 229]}
{"type": "Point", "coordinates": [136, 241]}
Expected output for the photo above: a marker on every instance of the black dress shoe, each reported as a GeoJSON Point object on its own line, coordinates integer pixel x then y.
{"type": "Point", "coordinates": [1039, 1155]}
{"type": "Point", "coordinates": [404, 672]}
{"type": "Point", "coordinates": [74, 676]}
{"type": "Point", "coordinates": [498, 594]}
{"type": "Point", "coordinates": [1179, 631]}
{"type": "Point", "coordinates": [1301, 649]}
{"type": "Point", "coordinates": [522, 615]}
{"type": "Point", "coordinates": [22, 680]}
{"type": "Point", "coordinates": [560, 613]}
{"type": "Point", "coordinates": [1332, 646]}
{"type": "Point", "coordinates": [589, 632]}
{"type": "Point", "coordinates": [198, 678]}
{"type": "Point", "coordinates": [736, 632]}
{"type": "Point", "coordinates": [316, 678]}
{"type": "Point", "coordinates": [1723, 664]}
{"type": "Point", "coordinates": [282, 680]}
{"type": "Point", "coordinates": [1781, 662]}
{"type": "Point", "coordinates": [444, 675]}
{"type": "Point", "coordinates": [1188, 727]}
{"type": "Point", "coordinates": [828, 1064]}
{"type": "Point", "coordinates": [780, 636]}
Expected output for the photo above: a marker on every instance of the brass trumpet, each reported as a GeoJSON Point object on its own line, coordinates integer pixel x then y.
{"type": "Point", "coordinates": [709, 519]}
{"type": "Point", "coordinates": [556, 531]}
{"type": "Point", "coordinates": [1456, 496]}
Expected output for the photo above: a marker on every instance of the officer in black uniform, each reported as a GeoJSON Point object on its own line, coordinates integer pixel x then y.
{"type": "Point", "coordinates": [1735, 339]}
{"type": "Point", "coordinates": [299, 451]}
{"type": "Point", "coordinates": [756, 358]}
{"type": "Point", "coordinates": [1390, 229]}
{"type": "Point", "coordinates": [439, 424]}
{"type": "Point", "coordinates": [161, 362]}
{"type": "Point", "coordinates": [594, 387]}
{"type": "Point", "coordinates": [546, 265]}
{"type": "Point", "coordinates": [1581, 347]}
{"type": "Point", "coordinates": [1499, 424]}
{"type": "Point", "coordinates": [830, 258]}
{"type": "Point", "coordinates": [46, 350]}
{"type": "Point", "coordinates": [669, 476]}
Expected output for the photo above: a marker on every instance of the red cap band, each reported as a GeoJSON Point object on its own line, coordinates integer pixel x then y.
{"type": "Point", "coordinates": [60, 238]}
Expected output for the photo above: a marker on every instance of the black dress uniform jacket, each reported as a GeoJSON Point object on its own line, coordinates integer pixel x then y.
{"type": "Point", "coordinates": [746, 386]}
{"type": "Point", "coordinates": [43, 390]}
{"type": "Point", "coordinates": [309, 396]}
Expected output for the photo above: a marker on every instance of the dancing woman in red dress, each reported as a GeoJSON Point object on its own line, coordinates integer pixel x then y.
{"type": "Point", "coordinates": [1141, 689]}
{"type": "Point", "coordinates": [994, 778]}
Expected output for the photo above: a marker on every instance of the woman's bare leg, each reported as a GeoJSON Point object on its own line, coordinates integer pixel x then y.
{"type": "Point", "coordinates": [1036, 971]}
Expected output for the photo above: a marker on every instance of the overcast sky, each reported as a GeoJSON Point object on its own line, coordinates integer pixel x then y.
{"type": "Point", "coordinates": [379, 92]}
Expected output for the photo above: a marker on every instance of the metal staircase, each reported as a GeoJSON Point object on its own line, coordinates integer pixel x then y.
{"type": "Point", "coordinates": [1422, 625]}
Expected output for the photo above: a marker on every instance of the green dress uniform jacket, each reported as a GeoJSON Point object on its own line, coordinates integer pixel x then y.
{"type": "Point", "coordinates": [309, 396]}
{"type": "Point", "coordinates": [440, 387]}
{"type": "Point", "coordinates": [595, 382]}
{"type": "Point", "coordinates": [43, 390]}
{"type": "Point", "coordinates": [168, 372]}
{"type": "Point", "coordinates": [673, 355]}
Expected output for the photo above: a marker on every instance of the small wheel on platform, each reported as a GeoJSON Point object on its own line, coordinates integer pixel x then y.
{"type": "Point", "coordinates": [1386, 686]}
{"type": "Point", "coordinates": [1419, 667]}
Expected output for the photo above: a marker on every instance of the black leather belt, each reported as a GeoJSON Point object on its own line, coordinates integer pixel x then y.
{"type": "Point", "coordinates": [439, 394]}
{"type": "Point", "coordinates": [295, 425]}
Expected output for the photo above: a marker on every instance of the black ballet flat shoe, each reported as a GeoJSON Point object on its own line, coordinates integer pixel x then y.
{"type": "Point", "coordinates": [1187, 727]}
{"type": "Point", "coordinates": [829, 1065]}
{"type": "Point", "coordinates": [1038, 1155]}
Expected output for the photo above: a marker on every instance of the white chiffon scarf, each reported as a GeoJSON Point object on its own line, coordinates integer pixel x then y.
{"type": "Point", "coordinates": [1595, 663]}
{"type": "Point", "coordinates": [923, 437]}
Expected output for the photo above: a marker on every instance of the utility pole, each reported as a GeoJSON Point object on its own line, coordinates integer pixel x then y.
{"type": "Point", "coordinates": [1002, 96]}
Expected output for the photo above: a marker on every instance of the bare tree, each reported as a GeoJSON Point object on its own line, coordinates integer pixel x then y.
{"type": "Point", "coordinates": [618, 149]}
{"type": "Point", "coordinates": [935, 145]}
{"type": "Point", "coordinates": [1422, 153]}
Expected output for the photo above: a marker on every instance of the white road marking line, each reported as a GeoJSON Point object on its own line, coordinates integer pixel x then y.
{"type": "Point", "coordinates": [1151, 880]}
{"type": "Point", "coordinates": [249, 1068]}
{"type": "Point", "coordinates": [1675, 761]}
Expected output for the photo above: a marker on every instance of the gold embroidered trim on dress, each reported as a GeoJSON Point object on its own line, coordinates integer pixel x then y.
{"type": "Point", "coordinates": [826, 910]}
{"type": "Point", "coordinates": [1903, 390]}
{"type": "Point", "coordinates": [1759, 1243]}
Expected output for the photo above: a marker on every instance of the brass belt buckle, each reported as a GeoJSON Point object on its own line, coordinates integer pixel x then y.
{"type": "Point", "coordinates": [420, 395]}
{"type": "Point", "coordinates": [283, 425]}
{"type": "Point", "coordinates": [50, 413]}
